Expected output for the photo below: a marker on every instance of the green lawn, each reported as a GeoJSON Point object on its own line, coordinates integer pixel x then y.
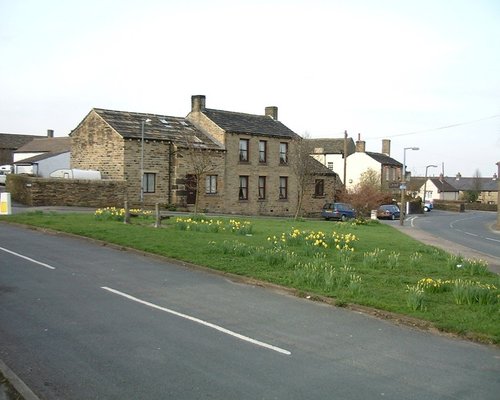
{"type": "Point", "coordinates": [368, 264]}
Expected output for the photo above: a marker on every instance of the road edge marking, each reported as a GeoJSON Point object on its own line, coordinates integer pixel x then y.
{"type": "Point", "coordinates": [200, 321]}
{"type": "Point", "coordinates": [27, 258]}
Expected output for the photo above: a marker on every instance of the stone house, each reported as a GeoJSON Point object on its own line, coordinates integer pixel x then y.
{"type": "Point", "coordinates": [245, 160]}
{"type": "Point", "coordinates": [125, 145]}
{"type": "Point", "coordinates": [259, 174]}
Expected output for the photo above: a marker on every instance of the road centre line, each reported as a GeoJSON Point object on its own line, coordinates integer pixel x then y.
{"type": "Point", "coordinates": [27, 258]}
{"type": "Point", "coordinates": [199, 321]}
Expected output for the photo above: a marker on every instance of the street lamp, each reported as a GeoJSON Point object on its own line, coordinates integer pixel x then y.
{"type": "Point", "coordinates": [403, 185]}
{"type": "Point", "coordinates": [143, 122]}
{"type": "Point", "coordinates": [425, 182]}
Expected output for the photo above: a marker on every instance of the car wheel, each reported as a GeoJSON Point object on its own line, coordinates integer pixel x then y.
{"type": "Point", "coordinates": [426, 209]}
{"type": "Point", "coordinates": [393, 217]}
{"type": "Point", "coordinates": [343, 218]}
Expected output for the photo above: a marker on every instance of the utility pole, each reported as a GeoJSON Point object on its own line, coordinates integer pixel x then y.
{"type": "Point", "coordinates": [345, 158]}
{"type": "Point", "coordinates": [498, 200]}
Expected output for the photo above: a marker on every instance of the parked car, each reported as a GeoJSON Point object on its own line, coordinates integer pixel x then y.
{"type": "Point", "coordinates": [338, 211]}
{"type": "Point", "coordinates": [3, 177]}
{"type": "Point", "coordinates": [388, 211]}
{"type": "Point", "coordinates": [428, 206]}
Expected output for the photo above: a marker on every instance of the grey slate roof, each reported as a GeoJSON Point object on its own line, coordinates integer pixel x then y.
{"type": "Point", "coordinates": [443, 186]}
{"type": "Point", "coordinates": [318, 168]}
{"type": "Point", "coordinates": [384, 159]}
{"type": "Point", "coordinates": [333, 146]}
{"type": "Point", "coordinates": [160, 127]}
{"type": "Point", "coordinates": [463, 184]}
{"type": "Point", "coordinates": [46, 145]}
{"type": "Point", "coordinates": [235, 122]}
{"type": "Point", "coordinates": [13, 141]}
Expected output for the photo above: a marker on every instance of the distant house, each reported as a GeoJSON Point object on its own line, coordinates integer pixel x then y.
{"type": "Point", "coordinates": [249, 159]}
{"type": "Point", "coordinates": [10, 142]}
{"type": "Point", "coordinates": [438, 189]}
{"type": "Point", "coordinates": [455, 188]}
{"type": "Point", "coordinates": [41, 156]}
{"type": "Point", "coordinates": [330, 152]}
{"type": "Point", "coordinates": [361, 161]}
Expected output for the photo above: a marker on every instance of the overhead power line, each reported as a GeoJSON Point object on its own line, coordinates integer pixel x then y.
{"type": "Point", "coordinates": [438, 128]}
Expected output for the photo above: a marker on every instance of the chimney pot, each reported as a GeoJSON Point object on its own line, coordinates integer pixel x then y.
{"type": "Point", "coordinates": [360, 146]}
{"type": "Point", "coordinates": [50, 133]}
{"type": "Point", "coordinates": [198, 103]}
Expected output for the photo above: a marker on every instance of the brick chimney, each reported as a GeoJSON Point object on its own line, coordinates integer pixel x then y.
{"type": "Point", "coordinates": [50, 133]}
{"type": "Point", "coordinates": [360, 145]}
{"type": "Point", "coordinates": [272, 112]}
{"type": "Point", "coordinates": [386, 147]}
{"type": "Point", "coordinates": [197, 103]}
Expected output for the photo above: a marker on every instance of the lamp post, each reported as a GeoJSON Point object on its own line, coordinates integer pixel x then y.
{"type": "Point", "coordinates": [498, 201]}
{"type": "Point", "coordinates": [143, 122]}
{"type": "Point", "coordinates": [425, 182]}
{"type": "Point", "coordinates": [403, 186]}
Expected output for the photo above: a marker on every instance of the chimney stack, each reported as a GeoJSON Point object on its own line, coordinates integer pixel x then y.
{"type": "Point", "coordinates": [360, 145]}
{"type": "Point", "coordinates": [386, 147]}
{"type": "Point", "coordinates": [50, 133]}
{"type": "Point", "coordinates": [458, 176]}
{"type": "Point", "coordinates": [272, 112]}
{"type": "Point", "coordinates": [197, 103]}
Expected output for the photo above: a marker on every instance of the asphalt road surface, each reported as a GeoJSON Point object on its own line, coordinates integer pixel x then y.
{"type": "Point", "coordinates": [472, 229]}
{"type": "Point", "coordinates": [79, 320]}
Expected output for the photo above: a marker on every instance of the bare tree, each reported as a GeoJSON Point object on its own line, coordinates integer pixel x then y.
{"type": "Point", "coordinates": [472, 194]}
{"type": "Point", "coordinates": [367, 195]}
{"type": "Point", "coordinates": [302, 167]}
{"type": "Point", "coordinates": [202, 161]}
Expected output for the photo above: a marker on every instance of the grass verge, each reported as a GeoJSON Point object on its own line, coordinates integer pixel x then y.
{"type": "Point", "coordinates": [361, 263]}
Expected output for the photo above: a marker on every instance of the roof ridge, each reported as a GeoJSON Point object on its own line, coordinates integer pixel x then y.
{"type": "Point", "coordinates": [240, 113]}
{"type": "Point", "coordinates": [137, 113]}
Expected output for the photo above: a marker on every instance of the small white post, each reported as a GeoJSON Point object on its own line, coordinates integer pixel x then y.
{"type": "Point", "coordinates": [5, 204]}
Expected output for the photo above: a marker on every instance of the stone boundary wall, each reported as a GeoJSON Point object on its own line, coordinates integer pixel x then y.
{"type": "Point", "coordinates": [33, 191]}
{"type": "Point", "coordinates": [461, 206]}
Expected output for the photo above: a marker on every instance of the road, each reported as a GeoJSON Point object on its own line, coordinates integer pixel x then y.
{"type": "Point", "coordinates": [471, 229]}
{"type": "Point", "coordinates": [468, 234]}
{"type": "Point", "coordinates": [79, 320]}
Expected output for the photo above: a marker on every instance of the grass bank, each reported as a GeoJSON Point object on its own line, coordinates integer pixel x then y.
{"type": "Point", "coordinates": [368, 264]}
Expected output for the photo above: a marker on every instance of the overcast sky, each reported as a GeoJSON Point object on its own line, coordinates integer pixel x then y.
{"type": "Point", "coordinates": [421, 73]}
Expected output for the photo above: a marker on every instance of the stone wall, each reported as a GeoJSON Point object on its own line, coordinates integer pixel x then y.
{"type": "Point", "coordinates": [34, 191]}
